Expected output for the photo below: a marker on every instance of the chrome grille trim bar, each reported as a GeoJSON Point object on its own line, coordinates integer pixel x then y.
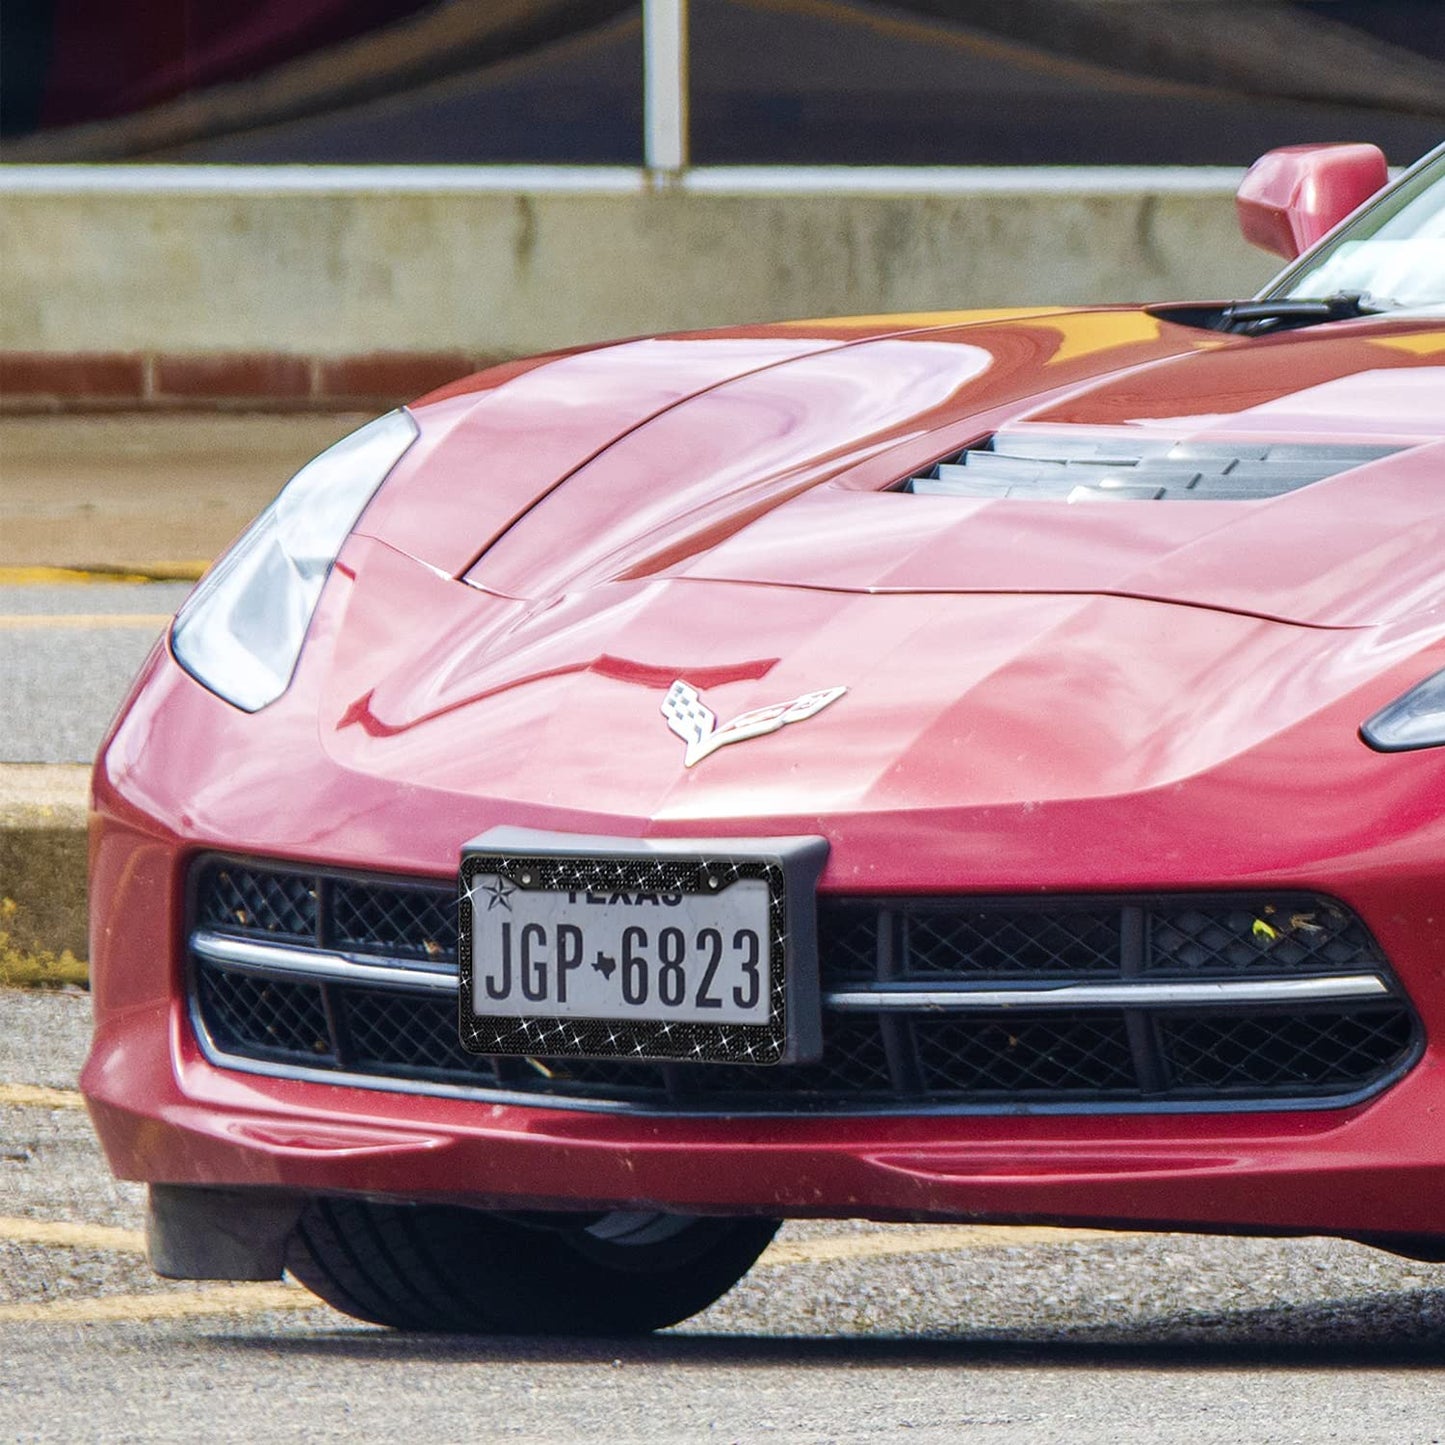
{"type": "Point", "coordinates": [316, 964]}
{"type": "Point", "coordinates": [1129, 994]}
{"type": "Point", "coordinates": [288, 960]}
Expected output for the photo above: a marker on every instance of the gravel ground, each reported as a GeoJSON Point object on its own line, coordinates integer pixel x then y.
{"type": "Point", "coordinates": [43, 1036]}
{"type": "Point", "coordinates": [1107, 1338]}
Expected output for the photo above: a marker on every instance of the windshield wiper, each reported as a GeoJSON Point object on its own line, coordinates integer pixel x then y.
{"type": "Point", "coordinates": [1281, 315]}
{"type": "Point", "coordinates": [1255, 318]}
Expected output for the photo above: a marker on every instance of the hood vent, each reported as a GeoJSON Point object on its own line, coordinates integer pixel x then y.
{"type": "Point", "coordinates": [1094, 467]}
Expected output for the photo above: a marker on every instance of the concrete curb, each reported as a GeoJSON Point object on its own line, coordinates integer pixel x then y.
{"type": "Point", "coordinates": [43, 855]}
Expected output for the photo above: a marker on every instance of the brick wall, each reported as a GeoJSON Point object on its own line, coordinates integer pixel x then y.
{"type": "Point", "coordinates": [37, 381]}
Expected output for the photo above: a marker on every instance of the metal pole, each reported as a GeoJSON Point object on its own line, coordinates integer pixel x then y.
{"type": "Point", "coordinates": [664, 81]}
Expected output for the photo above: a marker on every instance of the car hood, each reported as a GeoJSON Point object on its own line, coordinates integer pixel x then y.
{"type": "Point", "coordinates": [996, 655]}
{"type": "Point", "coordinates": [555, 709]}
{"type": "Point", "coordinates": [777, 465]}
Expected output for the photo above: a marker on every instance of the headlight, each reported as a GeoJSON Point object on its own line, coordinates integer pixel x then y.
{"type": "Point", "coordinates": [1416, 720]}
{"type": "Point", "coordinates": [240, 632]}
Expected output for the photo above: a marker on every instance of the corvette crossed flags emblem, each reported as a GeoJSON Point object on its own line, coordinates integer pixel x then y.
{"type": "Point", "coordinates": [696, 723]}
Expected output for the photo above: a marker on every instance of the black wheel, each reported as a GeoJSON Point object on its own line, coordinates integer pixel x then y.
{"type": "Point", "coordinates": [435, 1267]}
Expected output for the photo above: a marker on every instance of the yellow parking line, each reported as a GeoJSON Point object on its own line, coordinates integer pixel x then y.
{"type": "Point", "coordinates": [32, 1096]}
{"type": "Point", "coordinates": [225, 1299]}
{"type": "Point", "coordinates": [60, 1234]}
{"type": "Point", "coordinates": [32, 621]}
{"type": "Point", "coordinates": [184, 571]}
{"type": "Point", "coordinates": [245, 1299]}
{"type": "Point", "coordinates": [935, 1239]}
{"type": "Point", "coordinates": [62, 576]}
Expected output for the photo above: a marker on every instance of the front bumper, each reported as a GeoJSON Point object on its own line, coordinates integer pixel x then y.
{"type": "Point", "coordinates": [166, 1115]}
{"type": "Point", "coordinates": [168, 789]}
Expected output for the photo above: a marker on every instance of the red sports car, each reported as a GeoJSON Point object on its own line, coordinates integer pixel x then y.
{"type": "Point", "coordinates": [986, 766]}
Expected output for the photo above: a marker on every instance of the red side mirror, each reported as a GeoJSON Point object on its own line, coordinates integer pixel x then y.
{"type": "Point", "coordinates": [1292, 196]}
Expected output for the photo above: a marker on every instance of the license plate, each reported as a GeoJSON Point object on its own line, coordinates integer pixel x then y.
{"type": "Point", "coordinates": [601, 948]}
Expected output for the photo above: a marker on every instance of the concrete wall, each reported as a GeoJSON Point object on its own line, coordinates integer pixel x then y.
{"type": "Point", "coordinates": [335, 261]}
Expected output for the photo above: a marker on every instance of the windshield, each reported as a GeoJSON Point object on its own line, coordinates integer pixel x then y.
{"type": "Point", "coordinates": [1394, 254]}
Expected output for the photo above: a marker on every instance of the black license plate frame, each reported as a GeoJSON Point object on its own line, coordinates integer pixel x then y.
{"type": "Point", "coordinates": [529, 859]}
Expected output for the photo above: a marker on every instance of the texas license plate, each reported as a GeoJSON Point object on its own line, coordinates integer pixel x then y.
{"type": "Point", "coordinates": [636, 950]}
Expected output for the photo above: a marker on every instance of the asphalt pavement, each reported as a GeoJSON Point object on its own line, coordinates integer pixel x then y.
{"type": "Point", "coordinates": [843, 1331]}
{"type": "Point", "coordinates": [67, 655]}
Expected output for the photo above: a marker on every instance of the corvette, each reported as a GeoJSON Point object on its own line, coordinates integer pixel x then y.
{"type": "Point", "coordinates": [984, 767]}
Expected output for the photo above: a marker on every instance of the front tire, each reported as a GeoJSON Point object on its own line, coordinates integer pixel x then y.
{"type": "Point", "coordinates": [438, 1267]}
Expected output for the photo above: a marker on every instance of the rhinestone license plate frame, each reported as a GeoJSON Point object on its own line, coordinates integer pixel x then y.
{"type": "Point", "coordinates": [533, 861]}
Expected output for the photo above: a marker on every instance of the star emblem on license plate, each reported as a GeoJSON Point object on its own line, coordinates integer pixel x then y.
{"type": "Point", "coordinates": [498, 894]}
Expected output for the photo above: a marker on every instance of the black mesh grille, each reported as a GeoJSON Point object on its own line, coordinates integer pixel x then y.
{"type": "Point", "coordinates": [1079, 1054]}
{"type": "Point", "coordinates": [848, 939]}
{"type": "Point", "coordinates": [854, 1064]}
{"type": "Point", "coordinates": [1284, 933]}
{"type": "Point", "coordinates": [413, 922]}
{"type": "Point", "coordinates": [266, 1015]}
{"type": "Point", "coordinates": [1304, 1051]}
{"type": "Point", "coordinates": [872, 1060]}
{"type": "Point", "coordinates": [587, 1077]}
{"type": "Point", "coordinates": [249, 900]}
{"type": "Point", "coordinates": [1009, 942]}
{"type": "Point", "coordinates": [408, 1035]}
